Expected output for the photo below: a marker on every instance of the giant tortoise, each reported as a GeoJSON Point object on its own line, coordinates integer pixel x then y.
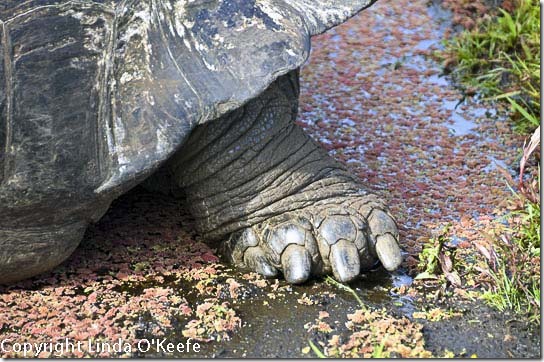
{"type": "Point", "coordinates": [190, 96]}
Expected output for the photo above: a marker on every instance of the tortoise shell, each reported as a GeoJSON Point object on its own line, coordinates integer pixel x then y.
{"type": "Point", "coordinates": [96, 94]}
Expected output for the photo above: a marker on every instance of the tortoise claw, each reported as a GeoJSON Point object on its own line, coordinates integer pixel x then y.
{"type": "Point", "coordinates": [345, 261]}
{"type": "Point", "coordinates": [255, 259]}
{"type": "Point", "coordinates": [388, 251]}
{"type": "Point", "coordinates": [342, 238]}
{"type": "Point", "coordinates": [296, 264]}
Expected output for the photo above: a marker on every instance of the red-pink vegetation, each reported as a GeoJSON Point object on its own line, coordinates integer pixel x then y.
{"type": "Point", "coordinates": [375, 98]}
{"type": "Point", "coordinates": [373, 333]}
{"type": "Point", "coordinates": [123, 286]}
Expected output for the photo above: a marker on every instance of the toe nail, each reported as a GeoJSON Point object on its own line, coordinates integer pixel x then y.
{"type": "Point", "coordinates": [297, 263]}
{"type": "Point", "coordinates": [388, 251]}
{"type": "Point", "coordinates": [266, 270]}
{"type": "Point", "coordinates": [345, 262]}
{"type": "Point", "coordinates": [381, 223]}
{"type": "Point", "coordinates": [256, 260]}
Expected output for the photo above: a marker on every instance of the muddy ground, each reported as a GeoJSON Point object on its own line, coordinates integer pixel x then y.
{"type": "Point", "coordinates": [374, 95]}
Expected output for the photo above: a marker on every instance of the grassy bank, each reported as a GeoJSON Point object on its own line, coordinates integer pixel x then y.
{"type": "Point", "coordinates": [516, 274]}
{"type": "Point", "coordinates": [498, 56]}
{"type": "Point", "coordinates": [500, 59]}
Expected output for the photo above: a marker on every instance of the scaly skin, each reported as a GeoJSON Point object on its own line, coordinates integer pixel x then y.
{"type": "Point", "coordinates": [256, 180]}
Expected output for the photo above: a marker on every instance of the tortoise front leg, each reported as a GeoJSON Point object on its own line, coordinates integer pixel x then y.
{"type": "Point", "coordinates": [254, 179]}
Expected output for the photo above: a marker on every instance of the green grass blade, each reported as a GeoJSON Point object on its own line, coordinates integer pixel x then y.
{"type": "Point", "coordinates": [330, 280]}
{"type": "Point", "coordinates": [316, 350]}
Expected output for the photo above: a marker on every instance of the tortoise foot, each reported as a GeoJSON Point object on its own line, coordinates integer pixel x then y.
{"type": "Point", "coordinates": [341, 236]}
{"type": "Point", "coordinates": [277, 201]}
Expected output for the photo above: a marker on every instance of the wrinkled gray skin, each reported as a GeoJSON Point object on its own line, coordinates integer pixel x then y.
{"type": "Point", "coordinates": [100, 95]}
